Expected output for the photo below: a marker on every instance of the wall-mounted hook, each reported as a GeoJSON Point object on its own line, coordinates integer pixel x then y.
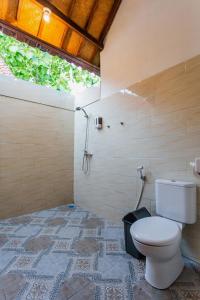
{"type": "Point", "coordinates": [122, 123]}
{"type": "Point", "coordinates": [108, 126]}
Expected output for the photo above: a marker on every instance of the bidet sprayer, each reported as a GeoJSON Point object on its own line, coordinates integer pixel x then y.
{"type": "Point", "coordinates": [140, 170]}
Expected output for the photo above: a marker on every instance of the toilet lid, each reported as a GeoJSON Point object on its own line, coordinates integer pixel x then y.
{"type": "Point", "coordinates": [155, 231]}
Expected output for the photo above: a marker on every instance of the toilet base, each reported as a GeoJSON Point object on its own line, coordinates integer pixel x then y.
{"type": "Point", "coordinates": [161, 274]}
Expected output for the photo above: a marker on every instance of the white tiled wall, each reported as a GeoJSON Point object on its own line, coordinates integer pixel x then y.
{"type": "Point", "coordinates": [161, 131]}
{"type": "Point", "coordinates": [36, 148]}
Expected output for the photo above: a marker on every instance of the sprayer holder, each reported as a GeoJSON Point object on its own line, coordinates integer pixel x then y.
{"type": "Point", "coordinates": [87, 154]}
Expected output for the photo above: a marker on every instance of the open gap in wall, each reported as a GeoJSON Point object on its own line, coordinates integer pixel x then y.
{"type": "Point", "coordinates": [32, 64]}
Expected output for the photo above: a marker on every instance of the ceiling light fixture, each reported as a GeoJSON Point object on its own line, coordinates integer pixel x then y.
{"type": "Point", "coordinates": [46, 14]}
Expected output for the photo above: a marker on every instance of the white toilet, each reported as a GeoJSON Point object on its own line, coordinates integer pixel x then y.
{"type": "Point", "coordinates": [159, 237]}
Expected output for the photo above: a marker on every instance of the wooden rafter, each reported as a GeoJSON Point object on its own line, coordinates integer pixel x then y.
{"type": "Point", "coordinates": [107, 25]}
{"type": "Point", "coordinates": [91, 15]}
{"type": "Point", "coordinates": [17, 9]}
{"type": "Point", "coordinates": [89, 20]}
{"type": "Point", "coordinates": [68, 33]}
{"type": "Point", "coordinates": [33, 41]}
{"type": "Point", "coordinates": [110, 20]}
{"type": "Point", "coordinates": [71, 23]}
{"type": "Point", "coordinates": [71, 7]}
{"type": "Point", "coordinates": [64, 36]}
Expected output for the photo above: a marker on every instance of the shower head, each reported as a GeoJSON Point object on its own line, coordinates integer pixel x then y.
{"type": "Point", "coordinates": [85, 114]}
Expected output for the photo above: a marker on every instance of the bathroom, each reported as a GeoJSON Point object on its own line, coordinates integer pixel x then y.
{"type": "Point", "coordinates": [149, 102]}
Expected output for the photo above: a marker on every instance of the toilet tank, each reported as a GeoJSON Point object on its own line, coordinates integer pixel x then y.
{"type": "Point", "coordinates": [176, 200]}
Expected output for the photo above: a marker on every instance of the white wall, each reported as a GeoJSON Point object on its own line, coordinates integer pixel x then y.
{"type": "Point", "coordinates": [36, 147]}
{"type": "Point", "coordinates": [148, 36]}
{"type": "Point", "coordinates": [27, 91]}
{"type": "Point", "coordinates": [161, 131]}
{"type": "Point", "coordinates": [87, 96]}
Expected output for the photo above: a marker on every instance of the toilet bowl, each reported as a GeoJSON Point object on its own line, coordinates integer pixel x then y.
{"type": "Point", "coordinates": [159, 240]}
{"type": "Point", "coordinates": [159, 237]}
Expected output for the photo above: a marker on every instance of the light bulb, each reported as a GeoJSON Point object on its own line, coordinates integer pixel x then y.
{"type": "Point", "coordinates": [46, 14]}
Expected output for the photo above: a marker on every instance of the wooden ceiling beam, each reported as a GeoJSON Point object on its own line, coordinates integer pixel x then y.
{"type": "Point", "coordinates": [107, 25]}
{"type": "Point", "coordinates": [89, 20]}
{"type": "Point", "coordinates": [71, 23]}
{"type": "Point", "coordinates": [33, 41]}
{"type": "Point", "coordinates": [71, 7]}
{"type": "Point", "coordinates": [68, 33]}
{"type": "Point", "coordinates": [91, 14]}
{"type": "Point", "coordinates": [17, 8]}
{"type": "Point", "coordinates": [109, 20]}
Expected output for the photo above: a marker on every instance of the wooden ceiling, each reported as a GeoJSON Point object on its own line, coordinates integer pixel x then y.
{"type": "Point", "coordinates": [76, 30]}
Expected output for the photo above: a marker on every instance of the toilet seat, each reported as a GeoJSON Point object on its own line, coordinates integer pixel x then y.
{"type": "Point", "coordinates": [155, 231]}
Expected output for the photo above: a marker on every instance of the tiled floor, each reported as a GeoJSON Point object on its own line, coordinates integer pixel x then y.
{"type": "Point", "coordinates": [66, 253]}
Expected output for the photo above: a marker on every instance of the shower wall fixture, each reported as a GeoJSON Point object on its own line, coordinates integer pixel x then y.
{"type": "Point", "coordinates": [99, 122]}
{"type": "Point", "coordinates": [86, 155]}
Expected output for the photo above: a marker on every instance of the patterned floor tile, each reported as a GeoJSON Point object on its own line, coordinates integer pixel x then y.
{"type": "Point", "coordinates": [114, 293]}
{"type": "Point", "coordinates": [92, 223]}
{"type": "Point", "coordinates": [21, 220]}
{"type": "Point", "coordinates": [75, 214]}
{"type": "Point", "coordinates": [39, 290]}
{"type": "Point", "coordinates": [61, 245]}
{"type": "Point", "coordinates": [86, 246]}
{"type": "Point", "coordinates": [3, 240]}
{"type": "Point", "coordinates": [113, 267]}
{"type": "Point", "coordinates": [112, 246]}
{"type": "Point", "coordinates": [37, 220]}
{"type": "Point", "coordinates": [193, 294]}
{"type": "Point", "coordinates": [112, 233]}
{"type": "Point", "coordinates": [83, 264]}
{"type": "Point", "coordinates": [7, 257]}
{"type": "Point", "coordinates": [14, 243]}
{"type": "Point", "coordinates": [23, 262]}
{"type": "Point", "coordinates": [69, 232]}
{"type": "Point", "coordinates": [61, 214]}
{"type": "Point", "coordinates": [63, 253]}
{"type": "Point", "coordinates": [49, 230]}
{"type": "Point", "coordinates": [56, 221]}
{"type": "Point", "coordinates": [52, 264]}
{"type": "Point", "coordinates": [28, 230]}
{"type": "Point", "coordinates": [45, 213]}
{"type": "Point", "coordinates": [65, 208]}
{"type": "Point", "coordinates": [90, 232]}
{"type": "Point", "coordinates": [8, 229]}
{"type": "Point", "coordinates": [75, 221]}
{"type": "Point", "coordinates": [11, 285]}
{"type": "Point", "coordinates": [142, 290]}
{"type": "Point", "coordinates": [37, 244]}
{"type": "Point", "coordinates": [77, 288]}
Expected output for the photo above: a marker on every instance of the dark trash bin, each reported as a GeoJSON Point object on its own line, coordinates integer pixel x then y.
{"type": "Point", "coordinates": [128, 220]}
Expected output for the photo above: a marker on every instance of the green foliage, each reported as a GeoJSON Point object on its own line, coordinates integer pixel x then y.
{"type": "Point", "coordinates": [34, 65]}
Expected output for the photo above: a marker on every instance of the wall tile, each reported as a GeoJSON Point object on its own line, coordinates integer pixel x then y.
{"type": "Point", "coordinates": [36, 157]}
{"type": "Point", "coordinates": [161, 131]}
